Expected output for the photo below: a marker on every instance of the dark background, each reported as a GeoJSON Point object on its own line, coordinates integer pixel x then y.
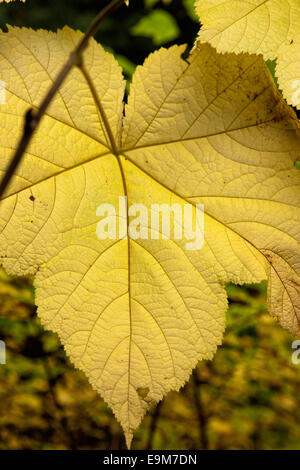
{"type": "Point", "coordinates": [114, 32]}
{"type": "Point", "coordinates": [246, 398]}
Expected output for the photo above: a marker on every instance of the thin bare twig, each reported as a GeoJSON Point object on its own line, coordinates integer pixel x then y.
{"type": "Point", "coordinates": [33, 117]}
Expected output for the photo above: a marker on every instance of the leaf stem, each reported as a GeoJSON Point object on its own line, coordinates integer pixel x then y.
{"type": "Point", "coordinates": [33, 117]}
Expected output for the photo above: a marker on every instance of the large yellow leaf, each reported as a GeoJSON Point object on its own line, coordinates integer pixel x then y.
{"type": "Point", "coordinates": [136, 315]}
{"type": "Point", "coordinates": [269, 27]}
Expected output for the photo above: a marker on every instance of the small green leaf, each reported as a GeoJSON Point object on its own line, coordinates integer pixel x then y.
{"type": "Point", "coordinates": [126, 64]}
{"type": "Point", "coordinates": [271, 64]}
{"type": "Point", "coordinates": [159, 25]}
{"type": "Point", "coordinates": [128, 67]}
{"type": "Point", "coordinates": [189, 5]}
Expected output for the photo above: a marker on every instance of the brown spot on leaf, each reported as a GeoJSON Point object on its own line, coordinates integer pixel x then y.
{"type": "Point", "coordinates": [143, 392]}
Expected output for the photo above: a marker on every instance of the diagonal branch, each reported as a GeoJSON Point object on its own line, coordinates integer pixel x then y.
{"type": "Point", "coordinates": [33, 117]}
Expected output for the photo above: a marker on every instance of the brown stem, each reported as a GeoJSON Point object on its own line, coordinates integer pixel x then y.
{"type": "Point", "coordinates": [153, 425]}
{"type": "Point", "coordinates": [200, 412]}
{"type": "Point", "coordinates": [33, 117]}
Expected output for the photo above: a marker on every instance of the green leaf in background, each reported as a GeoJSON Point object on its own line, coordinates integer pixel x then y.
{"type": "Point", "coordinates": [128, 68]}
{"type": "Point", "coordinates": [126, 64]}
{"type": "Point", "coordinates": [189, 5]}
{"type": "Point", "coordinates": [297, 165]}
{"type": "Point", "coordinates": [150, 3]}
{"type": "Point", "coordinates": [159, 25]}
{"type": "Point", "coordinates": [271, 64]}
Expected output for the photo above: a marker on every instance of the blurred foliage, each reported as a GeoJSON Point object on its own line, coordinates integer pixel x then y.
{"type": "Point", "coordinates": [171, 25]}
{"type": "Point", "coordinates": [158, 25]}
{"type": "Point", "coordinates": [271, 64]}
{"type": "Point", "coordinates": [246, 398]}
{"type": "Point", "coordinates": [190, 9]}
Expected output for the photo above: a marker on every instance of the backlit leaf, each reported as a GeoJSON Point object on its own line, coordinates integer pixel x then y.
{"type": "Point", "coordinates": [269, 27]}
{"type": "Point", "coordinates": [137, 315]}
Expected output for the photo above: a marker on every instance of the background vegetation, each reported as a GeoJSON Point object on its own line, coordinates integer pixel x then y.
{"type": "Point", "coordinates": [246, 398]}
